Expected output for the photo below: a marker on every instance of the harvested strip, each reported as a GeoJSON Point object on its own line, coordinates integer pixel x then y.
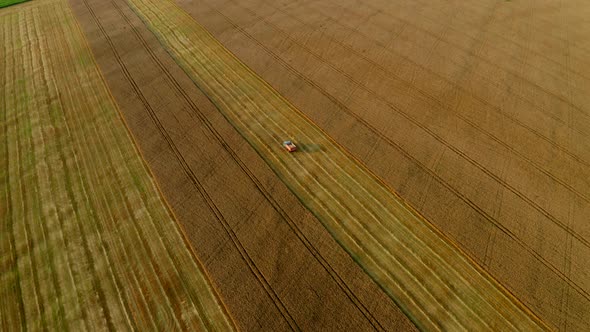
{"type": "Point", "coordinates": [86, 240]}
{"type": "Point", "coordinates": [436, 284]}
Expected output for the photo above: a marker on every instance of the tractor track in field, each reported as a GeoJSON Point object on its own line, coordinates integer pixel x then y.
{"type": "Point", "coordinates": [186, 168]}
{"type": "Point", "coordinates": [435, 176]}
{"type": "Point", "coordinates": [188, 171]}
{"type": "Point", "coordinates": [537, 182]}
{"type": "Point", "coordinates": [495, 108]}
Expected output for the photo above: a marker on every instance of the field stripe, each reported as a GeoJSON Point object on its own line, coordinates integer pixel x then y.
{"type": "Point", "coordinates": [111, 310]}
{"type": "Point", "coordinates": [54, 173]}
{"type": "Point", "coordinates": [431, 280]}
{"type": "Point", "coordinates": [148, 269]}
{"type": "Point", "coordinates": [22, 231]}
{"type": "Point", "coordinates": [10, 314]}
{"type": "Point", "coordinates": [87, 241]}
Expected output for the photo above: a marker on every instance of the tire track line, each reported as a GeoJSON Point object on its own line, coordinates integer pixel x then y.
{"type": "Point", "coordinates": [141, 96]}
{"type": "Point", "coordinates": [438, 38]}
{"type": "Point", "coordinates": [126, 137]}
{"type": "Point", "coordinates": [142, 235]}
{"type": "Point", "coordinates": [551, 23]}
{"type": "Point", "coordinates": [348, 210]}
{"type": "Point", "coordinates": [38, 137]}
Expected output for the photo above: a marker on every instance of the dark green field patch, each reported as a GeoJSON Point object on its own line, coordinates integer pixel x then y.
{"type": "Point", "coordinates": [6, 3]}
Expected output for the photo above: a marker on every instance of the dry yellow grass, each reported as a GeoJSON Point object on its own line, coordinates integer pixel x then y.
{"type": "Point", "coordinates": [437, 286]}
{"type": "Point", "coordinates": [86, 241]}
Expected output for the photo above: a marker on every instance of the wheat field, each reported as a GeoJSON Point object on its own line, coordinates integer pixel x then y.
{"type": "Point", "coordinates": [87, 241]}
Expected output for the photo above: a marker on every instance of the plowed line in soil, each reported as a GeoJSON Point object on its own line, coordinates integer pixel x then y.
{"type": "Point", "coordinates": [424, 167]}
{"type": "Point", "coordinates": [324, 182]}
{"type": "Point", "coordinates": [84, 212]}
{"type": "Point", "coordinates": [333, 274]}
{"type": "Point", "coordinates": [188, 171]}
